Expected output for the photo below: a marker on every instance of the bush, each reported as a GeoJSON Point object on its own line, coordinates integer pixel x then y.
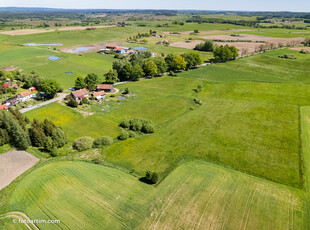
{"type": "Point", "coordinates": [83, 143]}
{"type": "Point", "coordinates": [136, 124]}
{"type": "Point", "coordinates": [148, 127]}
{"type": "Point", "coordinates": [151, 177]}
{"type": "Point", "coordinates": [123, 136]}
{"type": "Point", "coordinates": [73, 103]}
{"type": "Point", "coordinates": [125, 123]}
{"type": "Point", "coordinates": [102, 141]}
{"type": "Point", "coordinates": [131, 134]}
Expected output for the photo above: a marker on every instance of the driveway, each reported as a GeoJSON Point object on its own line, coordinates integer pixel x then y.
{"type": "Point", "coordinates": [61, 96]}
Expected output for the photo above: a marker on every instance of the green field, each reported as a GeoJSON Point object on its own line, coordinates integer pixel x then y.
{"type": "Point", "coordinates": [196, 194]}
{"type": "Point", "coordinates": [246, 124]}
{"type": "Point", "coordinates": [238, 161]}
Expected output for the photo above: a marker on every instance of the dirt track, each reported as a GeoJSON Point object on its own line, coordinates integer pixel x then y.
{"type": "Point", "coordinates": [13, 164]}
{"type": "Point", "coordinates": [38, 31]}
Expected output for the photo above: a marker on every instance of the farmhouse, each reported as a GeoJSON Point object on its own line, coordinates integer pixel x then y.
{"type": "Point", "coordinates": [120, 50]}
{"type": "Point", "coordinates": [8, 85]}
{"type": "Point", "coordinates": [99, 95]}
{"type": "Point", "coordinates": [111, 46]}
{"type": "Point", "coordinates": [24, 96]}
{"type": "Point", "coordinates": [79, 94]}
{"type": "Point", "coordinates": [105, 87]}
{"type": "Point", "coordinates": [3, 107]}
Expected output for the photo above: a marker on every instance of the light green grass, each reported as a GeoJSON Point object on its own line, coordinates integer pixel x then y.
{"type": "Point", "coordinates": [196, 194]}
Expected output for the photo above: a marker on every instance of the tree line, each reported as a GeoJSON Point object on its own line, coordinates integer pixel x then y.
{"type": "Point", "coordinates": [18, 131]}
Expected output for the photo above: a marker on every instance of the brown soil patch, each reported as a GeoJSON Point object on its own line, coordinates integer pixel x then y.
{"type": "Point", "coordinates": [255, 38]}
{"type": "Point", "coordinates": [213, 31]}
{"type": "Point", "coordinates": [301, 48]}
{"type": "Point", "coordinates": [186, 45]}
{"type": "Point", "coordinates": [38, 31]}
{"type": "Point", "coordinates": [91, 47]}
{"type": "Point", "coordinates": [13, 164]}
{"type": "Point", "coordinates": [9, 68]}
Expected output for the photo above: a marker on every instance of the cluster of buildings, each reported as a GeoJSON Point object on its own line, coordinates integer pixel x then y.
{"type": "Point", "coordinates": [22, 97]}
{"type": "Point", "coordinates": [99, 94]}
{"type": "Point", "coordinates": [9, 85]}
{"type": "Point", "coordinates": [123, 50]}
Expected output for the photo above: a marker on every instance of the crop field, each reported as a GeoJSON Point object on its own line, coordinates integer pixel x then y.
{"type": "Point", "coordinates": [196, 194]}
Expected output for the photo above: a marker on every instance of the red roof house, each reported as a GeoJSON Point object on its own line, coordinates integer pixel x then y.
{"type": "Point", "coordinates": [3, 107]}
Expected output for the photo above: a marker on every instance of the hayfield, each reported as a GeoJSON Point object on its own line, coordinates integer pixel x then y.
{"type": "Point", "coordinates": [196, 194]}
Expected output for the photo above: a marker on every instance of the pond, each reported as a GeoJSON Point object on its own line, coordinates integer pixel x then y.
{"type": "Point", "coordinates": [35, 44]}
{"type": "Point", "coordinates": [53, 58]}
{"type": "Point", "coordinates": [68, 73]}
{"type": "Point", "coordinates": [121, 98]}
{"type": "Point", "coordinates": [140, 48]}
{"type": "Point", "coordinates": [81, 49]}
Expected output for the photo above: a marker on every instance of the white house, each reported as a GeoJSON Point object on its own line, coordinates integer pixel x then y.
{"type": "Point", "coordinates": [24, 96]}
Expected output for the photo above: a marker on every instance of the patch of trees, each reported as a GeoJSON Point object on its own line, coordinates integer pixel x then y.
{"type": "Point", "coordinates": [133, 126]}
{"type": "Point", "coordinates": [15, 130]}
{"type": "Point", "coordinates": [206, 46]}
{"type": "Point", "coordinates": [142, 65]}
{"type": "Point", "coordinates": [90, 82]}
{"type": "Point", "coordinates": [84, 143]}
{"type": "Point", "coordinates": [225, 53]}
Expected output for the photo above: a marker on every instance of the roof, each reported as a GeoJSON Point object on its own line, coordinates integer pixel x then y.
{"type": "Point", "coordinates": [105, 86]}
{"type": "Point", "coordinates": [3, 107]}
{"type": "Point", "coordinates": [111, 45]}
{"type": "Point", "coordinates": [118, 49]}
{"type": "Point", "coordinates": [80, 93]}
{"type": "Point", "coordinates": [25, 93]}
{"type": "Point", "coordinates": [100, 93]}
{"type": "Point", "coordinates": [6, 85]}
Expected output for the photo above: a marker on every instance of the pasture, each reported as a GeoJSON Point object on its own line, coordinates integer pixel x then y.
{"type": "Point", "coordinates": [246, 122]}
{"type": "Point", "coordinates": [196, 194]}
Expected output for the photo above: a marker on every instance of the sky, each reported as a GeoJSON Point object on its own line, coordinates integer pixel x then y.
{"type": "Point", "coordinates": [233, 5]}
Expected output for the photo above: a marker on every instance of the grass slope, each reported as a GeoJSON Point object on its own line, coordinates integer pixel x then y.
{"type": "Point", "coordinates": [196, 194]}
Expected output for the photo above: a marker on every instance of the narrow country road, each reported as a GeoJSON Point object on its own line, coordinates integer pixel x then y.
{"type": "Point", "coordinates": [61, 96]}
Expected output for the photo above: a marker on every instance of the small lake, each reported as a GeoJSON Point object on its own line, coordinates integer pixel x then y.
{"type": "Point", "coordinates": [121, 98]}
{"type": "Point", "coordinates": [81, 49]}
{"type": "Point", "coordinates": [35, 44]}
{"type": "Point", "coordinates": [68, 73]}
{"type": "Point", "coordinates": [54, 58]}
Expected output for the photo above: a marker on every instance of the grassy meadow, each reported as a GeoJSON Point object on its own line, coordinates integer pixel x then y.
{"type": "Point", "coordinates": [245, 124]}
{"type": "Point", "coordinates": [196, 194]}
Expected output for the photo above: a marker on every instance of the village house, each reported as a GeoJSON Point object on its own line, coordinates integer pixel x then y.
{"type": "Point", "coordinates": [8, 85]}
{"type": "Point", "coordinates": [106, 87]}
{"type": "Point", "coordinates": [111, 46]}
{"type": "Point", "coordinates": [120, 50]}
{"type": "Point", "coordinates": [24, 96]}
{"type": "Point", "coordinates": [3, 107]}
{"type": "Point", "coordinates": [79, 94]}
{"type": "Point", "coordinates": [99, 95]}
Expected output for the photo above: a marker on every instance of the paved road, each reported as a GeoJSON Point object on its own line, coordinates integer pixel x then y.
{"type": "Point", "coordinates": [61, 96]}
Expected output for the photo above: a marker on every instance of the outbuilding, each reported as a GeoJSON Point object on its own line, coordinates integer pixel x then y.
{"type": "Point", "coordinates": [106, 87]}
{"type": "Point", "coordinates": [99, 95]}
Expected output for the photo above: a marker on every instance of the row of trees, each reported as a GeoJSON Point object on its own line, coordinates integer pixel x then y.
{"type": "Point", "coordinates": [15, 130]}
{"type": "Point", "coordinates": [138, 66]}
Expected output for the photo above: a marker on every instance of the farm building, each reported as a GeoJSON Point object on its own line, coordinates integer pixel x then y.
{"type": "Point", "coordinates": [79, 94]}
{"type": "Point", "coordinates": [24, 96]}
{"type": "Point", "coordinates": [105, 87]}
{"type": "Point", "coordinates": [111, 46]}
{"type": "Point", "coordinates": [120, 50]}
{"type": "Point", "coordinates": [32, 89]}
{"type": "Point", "coordinates": [3, 107]}
{"type": "Point", "coordinates": [99, 95]}
{"type": "Point", "coordinates": [8, 85]}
